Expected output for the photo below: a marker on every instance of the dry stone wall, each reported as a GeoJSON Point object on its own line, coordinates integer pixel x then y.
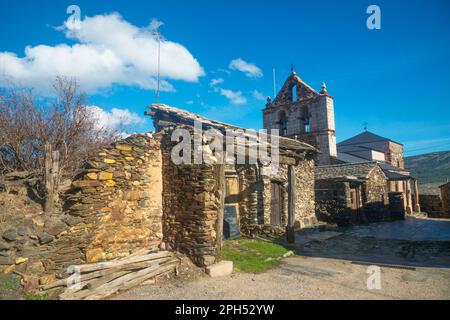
{"type": "Point", "coordinates": [116, 202]}
{"type": "Point", "coordinates": [375, 197]}
{"type": "Point", "coordinates": [191, 201]}
{"type": "Point", "coordinates": [333, 203]}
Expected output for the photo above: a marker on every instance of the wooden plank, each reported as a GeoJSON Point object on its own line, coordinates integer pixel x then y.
{"type": "Point", "coordinates": [109, 264]}
{"type": "Point", "coordinates": [128, 281]}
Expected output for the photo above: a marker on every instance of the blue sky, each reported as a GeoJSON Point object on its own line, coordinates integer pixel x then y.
{"type": "Point", "coordinates": [396, 79]}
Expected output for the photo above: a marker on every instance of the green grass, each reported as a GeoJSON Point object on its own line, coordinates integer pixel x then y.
{"type": "Point", "coordinates": [10, 287]}
{"type": "Point", "coordinates": [36, 296]}
{"type": "Point", "coordinates": [250, 255]}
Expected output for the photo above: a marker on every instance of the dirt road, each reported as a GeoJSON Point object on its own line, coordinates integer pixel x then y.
{"type": "Point", "coordinates": [306, 278]}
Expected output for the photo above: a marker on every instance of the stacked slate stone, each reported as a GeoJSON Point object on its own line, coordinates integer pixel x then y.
{"type": "Point", "coordinates": [267, 231]}
{"type": "Point", "coordinates": [115, 203]}
{"type": "Point", "coordinates": [248, 205]}
{"type": "Point", "coordinates": [192, 200]}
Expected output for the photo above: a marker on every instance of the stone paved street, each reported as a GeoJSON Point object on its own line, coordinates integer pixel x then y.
{"type": "Point", "coordinates": [413, 229]}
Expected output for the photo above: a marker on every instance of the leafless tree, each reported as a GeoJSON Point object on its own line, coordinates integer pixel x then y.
{"type": "Point", "coordinates": [28, 122]}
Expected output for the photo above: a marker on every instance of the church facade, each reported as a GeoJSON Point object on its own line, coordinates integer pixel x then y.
{"type": "Point", "coordinates": [302, 113]}
{"type": "Point", "coordinates": [299, 112]}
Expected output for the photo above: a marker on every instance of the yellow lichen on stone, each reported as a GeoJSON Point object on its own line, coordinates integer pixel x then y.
{"type": "Point", "coordinates": [109, 161]}
{"type": "Point", "coordinates": [21, 260]}
{"type": "Point", "coordinates": [47, 279]}
{"type": "Point", "coordinates": [123, 147]}
{"type": "Point", "coordinates": [110, 183]}
{"type": "Point", "coordinates": [9, 269]}
{"type": "Point", "coordinates": [92, 176]}
{"type": "Point", "coordinates": [105, 175]}
{"type": "Point", "coordinates": [95, 255]}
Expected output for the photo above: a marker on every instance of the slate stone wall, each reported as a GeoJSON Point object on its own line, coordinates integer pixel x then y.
{"type": "Point", "coordinates": [333, 203]}
{"type": "Point", "coordinates": [431, 204]}
{"type": "Point", "coordinates": [116, 202]}
{"type": "Point", "coordinates": [375, 198]}
{"type": "Point", "coordinates": [191, 202]}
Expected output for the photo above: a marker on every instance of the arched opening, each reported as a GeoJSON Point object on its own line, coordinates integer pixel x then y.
{"type": "Point", "coordinates": [283, 123]}
{"type": "Point", "coordinates": [294, 93]}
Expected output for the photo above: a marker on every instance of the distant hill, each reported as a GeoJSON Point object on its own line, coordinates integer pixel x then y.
{"type": "Point", "coordinates": [431, 169]}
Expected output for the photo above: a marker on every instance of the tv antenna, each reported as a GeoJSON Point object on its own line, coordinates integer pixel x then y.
{"type": "Point", "coordinates": [156, 25]}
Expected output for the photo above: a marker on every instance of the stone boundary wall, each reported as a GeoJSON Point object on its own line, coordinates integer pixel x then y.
{"type": "Point", "coordinates": [431, 204]}
{"type": "Point", "coordinates": [115, 204]}
{"type": "Point", "coordinates": [113, 208]}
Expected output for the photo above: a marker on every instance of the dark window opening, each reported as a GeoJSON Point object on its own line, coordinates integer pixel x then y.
{"type": "Point", "coordinates": [283, 123]}
{"type": "Point", "coordinates": [307, 125]}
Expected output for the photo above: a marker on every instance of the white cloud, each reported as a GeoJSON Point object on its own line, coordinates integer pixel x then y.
{"type": "Point", "coordinates": [215, 82]}
{"type": "Point", "coordinates": [249, 69]}
{"type": "Point", "coordinates": [115, 119]}
{"type": "Point", "coordinates": [108, 50]}
{"type": "Point", "coordinates": [258, 95]}
{"type": "Point", "coordinates": [235, 97]}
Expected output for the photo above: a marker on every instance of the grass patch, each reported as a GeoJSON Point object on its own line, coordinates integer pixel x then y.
{"type": "Point", "coordinates": [250, 255]}
{"type": "Point", "coordinates": [36, 296]}
{"type": "Point", "coordinates": [10, 287]}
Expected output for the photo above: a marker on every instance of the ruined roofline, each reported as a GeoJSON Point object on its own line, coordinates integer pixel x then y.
{"type": "Point", "coordinates": [189, 117]}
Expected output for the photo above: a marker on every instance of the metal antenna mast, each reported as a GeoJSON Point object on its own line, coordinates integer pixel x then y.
{"type": "Point", "coordinates": [158, 35]}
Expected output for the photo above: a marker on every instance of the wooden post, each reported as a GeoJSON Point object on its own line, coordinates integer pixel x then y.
{"type": "Point", "coordinates": [416, 197]}
{"type": "Point", "coordinates": [219, 231]}
{"type": "Point", "coordinates": [51, 178]}
{"type": "Point", "coordinates": [290, 231]}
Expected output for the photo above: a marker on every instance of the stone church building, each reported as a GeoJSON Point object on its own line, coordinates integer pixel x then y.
{"type": "Point", "coordinates": [300, 112]}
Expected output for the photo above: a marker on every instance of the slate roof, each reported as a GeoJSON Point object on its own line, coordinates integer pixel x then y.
{"type": "Point", "coordinates": [347, 170]}
{"type": "Point", "coordinates": [364, 138]}
{"type": "Point", "coordinates": [162, 113]}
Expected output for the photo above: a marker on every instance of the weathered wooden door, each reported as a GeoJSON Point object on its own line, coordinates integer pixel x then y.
{"type": "Point", "coordinates": [275, 204]}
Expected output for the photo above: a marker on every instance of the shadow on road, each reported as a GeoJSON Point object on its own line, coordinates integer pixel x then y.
{"type": "Point", "coordinates": [412, 243]}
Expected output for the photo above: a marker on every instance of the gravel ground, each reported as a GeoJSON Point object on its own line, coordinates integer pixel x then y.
{"type": "Point", "coordinates": [304, 278]}
{"type": "Point", "coordinates": [323, 268]}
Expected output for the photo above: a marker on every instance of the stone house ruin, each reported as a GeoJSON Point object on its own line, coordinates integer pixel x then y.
{"type": "Point", "coordinates": [257, 198]}
{"type": "Point", "coordinates": [352, 193]}
{"type": "Point", "coordinates": [132, 195]}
